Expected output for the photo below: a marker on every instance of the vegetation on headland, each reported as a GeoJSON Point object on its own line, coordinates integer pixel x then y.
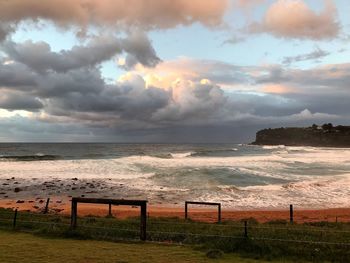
{"type": "Point", "coordinates": [326, 135]}
{"type": "Point", "coordinates": [276, 240]}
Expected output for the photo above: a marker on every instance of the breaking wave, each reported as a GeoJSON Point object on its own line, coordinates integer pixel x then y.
{"type": "Point", "coordinates": [36, 157]}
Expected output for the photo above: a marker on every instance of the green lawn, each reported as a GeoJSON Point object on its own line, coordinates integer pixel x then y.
{"type": "Point", "coordinates": [22, 247]}
{"type": "Point", "coordinates": [277, 240]}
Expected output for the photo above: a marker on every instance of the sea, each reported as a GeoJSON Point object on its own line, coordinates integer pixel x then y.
{"type": "Point", "coordinates": [240, 176]}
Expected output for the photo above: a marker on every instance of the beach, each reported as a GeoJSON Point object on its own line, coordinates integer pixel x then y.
{"type": "Point", "coordinates": [62, 206]}
{"type": "Point", "coordinates": [248, 181]}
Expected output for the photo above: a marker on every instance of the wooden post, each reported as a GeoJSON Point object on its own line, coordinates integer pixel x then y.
{"type": "Point", "coordinates": [291, 219]}
{"type": "Point", "coordinates": [47, 206]}
{"type": "Point", "coordinates": [186, 210]}
{"type": "Point", "coordinates": [15, 219]}
{"type": "Point", "coordinates": [73, 222]}
{"type": "Point", "coordinates": [245, 229]}
{"type": "Point", "coordinates": [143, 222]}
{"type": "Point", "coordinates": [219, 214]}
{"type": "Point", "coordinates": [110, 209]}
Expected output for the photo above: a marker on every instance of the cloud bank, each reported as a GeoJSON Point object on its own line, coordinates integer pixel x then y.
{"type": "Point", "coordinates": [150, 103]}
{"type": "Point", "coordinates": [146, 15]}
{"type": "Point", "coordinates": [39, 57]}
{"type": "Point", "coordinates": [64, 93]}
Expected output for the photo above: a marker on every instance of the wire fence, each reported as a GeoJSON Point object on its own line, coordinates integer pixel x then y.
{"type": "Point", "coordinates": [179, 232]}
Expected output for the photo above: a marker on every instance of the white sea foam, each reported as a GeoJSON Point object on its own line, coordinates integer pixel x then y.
{"type": "Point", "coordinates": [269, 147]}
{"type": "Point", "coordinates": [181, 155]}
{"type": "Point", "coordinates": [304, 176]}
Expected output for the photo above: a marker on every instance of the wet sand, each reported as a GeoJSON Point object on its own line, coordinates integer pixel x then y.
{"type": "Point", "coordinates": [62, 205]}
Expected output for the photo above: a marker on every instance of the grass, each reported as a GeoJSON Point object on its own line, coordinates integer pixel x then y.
{"type": "Point", "coordinates": [24, 247]}
{"type": "Point", "coordinates": [263, 241]}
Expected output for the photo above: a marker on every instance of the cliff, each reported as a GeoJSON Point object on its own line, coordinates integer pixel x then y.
{"type": "Point", "coordinates": [318, 136]}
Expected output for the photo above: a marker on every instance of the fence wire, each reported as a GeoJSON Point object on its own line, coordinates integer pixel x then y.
{"type": "Point", "coordinates": [210, 226]}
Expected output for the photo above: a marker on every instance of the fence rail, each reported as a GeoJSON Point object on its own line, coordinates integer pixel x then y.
{"type": "Point", "coordinates": [243, 231]}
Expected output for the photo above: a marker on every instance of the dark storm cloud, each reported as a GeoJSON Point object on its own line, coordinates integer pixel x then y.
{"type": "Point", "coordinates": [83, 80]}
{"type": "Point", "coordinates": [139, 50]}
{"type": "Point", "coordinates": [81, 99]}
{"type": "Point", "coordinates": [41, 58]}
{"type": "Point", "coordinates": [19, 101]}
{"type": "Point", "coordinates": [16, 75]}
{"type": "Point", "coordinates": [5, 29]}
{"type": "Point", "coordinates": [126, 101]}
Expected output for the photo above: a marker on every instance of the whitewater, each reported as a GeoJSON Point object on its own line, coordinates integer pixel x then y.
{"type": "Point", "coordinates": [237, 175]}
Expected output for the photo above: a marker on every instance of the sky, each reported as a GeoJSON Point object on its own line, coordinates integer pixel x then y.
{"type": "Point", "coordinates": [172, 71]}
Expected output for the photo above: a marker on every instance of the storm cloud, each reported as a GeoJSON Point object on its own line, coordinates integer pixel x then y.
{"type": "Point", "coordinates": [39, 56]}
{"type": "Point", "coordinates": [65, 93]}
{"type": "Point", "coordinates": [82, 98]}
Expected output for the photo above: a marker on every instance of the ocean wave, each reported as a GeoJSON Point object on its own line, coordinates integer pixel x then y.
{"type": "Point", "coordinates": [161, 155]}
{"type": "Point", "coordinates": [36, 157]}
{"type": "Point", "coordinates": [169, 155]}
{"type": "Point", "coordinates": [214, 152]}
{"type": "Point", "coordinates": [273, 147]}
{"type": "Point", "coordinates": [181, 155]}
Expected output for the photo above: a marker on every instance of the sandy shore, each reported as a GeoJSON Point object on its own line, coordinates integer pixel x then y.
{"type": "Point", "coordinates": [61, 205]}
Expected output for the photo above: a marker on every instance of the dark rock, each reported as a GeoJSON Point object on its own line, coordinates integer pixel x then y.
{"type": "Point", "coordinates": [74, 179]}
{"type": "Point", "coordinates": [19, 202]}
{"type": "Point", "coordinates": [17, 189]}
